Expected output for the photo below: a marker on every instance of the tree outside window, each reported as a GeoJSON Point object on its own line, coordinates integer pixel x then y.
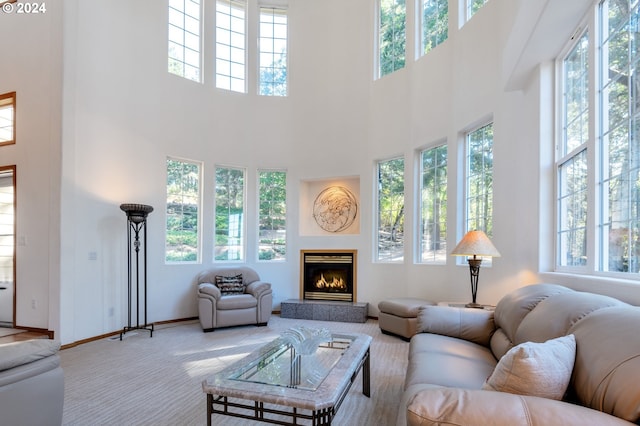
{"type": "Point", "coordinates": [229, 214]}
{"type": "Point", "coordinates": [272, 218]}
{"type": "Point", "coordinates": [183, 206]}
{"type": "Point", "coordinates": [391, 210]}
{"type": "Point", "coordinates": [391, 35]}
{"type": "Point", "coordinates": [479, 190]}
{"type": "Point", "coordinates": [435, 23]}
{"type": "Point", "coordinates": [433, 205]}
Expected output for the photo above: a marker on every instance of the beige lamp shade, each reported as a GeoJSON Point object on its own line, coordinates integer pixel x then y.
{"type": "Point", "coordinates": [475, 243]}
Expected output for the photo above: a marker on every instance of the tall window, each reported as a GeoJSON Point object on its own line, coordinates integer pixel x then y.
{"type": "Point", "coordinates": [392, 36]}
{"type": "Point", "coordinates": [479, 182]}
{"type": "Point", "coordinates": [472, 6]}
{"type": "Point", "coordinates": [435, 23]}
{"type": "Point", "coordinates": [433, 205]}
{"type": "Point", "coordinates": [230, 45]}
{"type": "Point", "coordinates": [273, 52]}
{"type": "Point", "coordinates": [7, 118]}
{"type": "Point", "coordinates": [272, 216]}
{"type": "Point", "coordinates": [391, 210]}
{"type": "Point", "coordinates": [229, 214]}
{"type": "Point", "coordinates": [572, 157]}
{"type": "Point", "coordinates": [183, 207]}
{"type": "Point", "coordinates": [184, 38]}
{"type": "Point", "coordinates": [619, 149]}
{"type": "Point", "coordinates": [598, 208]}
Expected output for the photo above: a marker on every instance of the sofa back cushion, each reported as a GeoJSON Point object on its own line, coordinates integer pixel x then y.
{"type": "Point", "coordinates": [249, 275]}
{"type": "Point", "coordinates": [512, 310]}
{"type": "Point", "coordinates": [475, 325]}
{"type": "Point", "coordinates": [606, 374]}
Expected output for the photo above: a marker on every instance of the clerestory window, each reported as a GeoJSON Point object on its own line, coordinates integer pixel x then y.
{"type": "Point", "coordinates": [434, 22]}
{"type": "Point", "coordinates": [392, 36]}
{"type": "Point", "coordinates": [231, 45]}
{"type": "Point", "coordinates": [273, 39]}
{"type": "Point", "coordinates": [184, 38]}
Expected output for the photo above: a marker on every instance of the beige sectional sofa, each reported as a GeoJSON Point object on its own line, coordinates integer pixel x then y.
{"type": "Point", "coordinates": [31, 383]}
{"type": "Point", "coordinates": [457, 350]}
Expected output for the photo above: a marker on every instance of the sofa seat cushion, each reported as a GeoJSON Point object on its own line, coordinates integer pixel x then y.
{"type": "Point", "coordinates": [237, 301]}
{"type": "Point", "coordinates": [447, 361]}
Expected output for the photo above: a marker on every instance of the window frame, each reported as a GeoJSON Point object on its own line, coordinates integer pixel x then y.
{"type": "Point", "coordinates": [11, 103]}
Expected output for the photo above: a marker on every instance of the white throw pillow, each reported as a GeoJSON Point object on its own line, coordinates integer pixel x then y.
{"type": "Point", "coordinates": [538, 369]}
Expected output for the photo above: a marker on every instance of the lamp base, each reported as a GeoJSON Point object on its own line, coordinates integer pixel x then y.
{"type": "Point", "coordinates": [474, 305]}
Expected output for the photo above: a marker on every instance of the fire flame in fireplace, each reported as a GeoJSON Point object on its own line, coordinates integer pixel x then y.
{"type": "Point", "coordinates": [336, 283]}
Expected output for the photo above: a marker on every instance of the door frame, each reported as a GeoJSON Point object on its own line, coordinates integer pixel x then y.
{"type": "Point", "coordinates": [12, 169]}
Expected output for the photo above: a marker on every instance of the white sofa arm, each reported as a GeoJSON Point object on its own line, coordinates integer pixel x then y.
{"type": "Point", "coordinates": [209, 290]}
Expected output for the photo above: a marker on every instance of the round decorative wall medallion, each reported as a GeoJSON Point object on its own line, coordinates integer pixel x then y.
{"type": "Point", "coordinates": [335, 209]}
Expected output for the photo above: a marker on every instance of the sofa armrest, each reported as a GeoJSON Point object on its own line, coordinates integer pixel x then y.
{"type": "Point", "coordinates": [209, 290]}
{"type": "Point", "coordinates": [474, 325]}
{"type": "Point", "coordinates": [455, 406]}
{"type": "Point", "coordinates": [257, 288]}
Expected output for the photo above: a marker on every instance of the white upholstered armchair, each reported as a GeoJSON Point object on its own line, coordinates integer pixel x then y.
{"type": "Point", "coordinates": [232, 295]}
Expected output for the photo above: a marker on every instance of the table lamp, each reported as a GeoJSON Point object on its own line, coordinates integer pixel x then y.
{"type": "Point", "coordinates": [476, 244]}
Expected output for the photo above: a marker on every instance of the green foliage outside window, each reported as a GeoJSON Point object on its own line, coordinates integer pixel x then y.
{"type": "Point", "coordinates": [229, 214]}
{"type": "Point", "coordinates": [433, 205]}
{"type": "Point", "coordinates": [183, 201]}
{"type": "Point", "coordinates": [480, 180]}
{"type": "Point", "coordinates": [392, 35]}
{"type": "Point", "coordinates": [272, 215]}
{"type": "Point", "coordinates": [391, 210]}
{"type": "Point", "coordinates": [435, 23]}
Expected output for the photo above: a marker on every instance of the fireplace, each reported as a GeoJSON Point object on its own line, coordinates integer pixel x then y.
{"type": "Point", "coordinates": [328, 275]}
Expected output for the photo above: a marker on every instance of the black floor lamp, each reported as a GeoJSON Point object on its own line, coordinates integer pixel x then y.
{"type": "Point", "coordinates": [136, 225]}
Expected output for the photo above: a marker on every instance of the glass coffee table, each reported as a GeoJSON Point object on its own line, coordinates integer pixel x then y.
{"type": "Point", "coordinates": [278, 384]}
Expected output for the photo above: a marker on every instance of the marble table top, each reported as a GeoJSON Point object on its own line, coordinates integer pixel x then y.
{"type": "Point", "coordinates": [326, 395]}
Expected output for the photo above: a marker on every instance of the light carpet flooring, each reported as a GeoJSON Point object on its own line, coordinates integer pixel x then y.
{"type": "Point", "coordinates": [157, 380]}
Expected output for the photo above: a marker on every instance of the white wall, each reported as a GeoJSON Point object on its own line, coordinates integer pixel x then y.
{"type": "Point", "coordinates": [123, 114]}
{"type": "Point", "coordinates": [30, 65]}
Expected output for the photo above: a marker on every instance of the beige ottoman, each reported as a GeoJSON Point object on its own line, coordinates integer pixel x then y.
{"type": "Point", "coordinates": [399, 316]}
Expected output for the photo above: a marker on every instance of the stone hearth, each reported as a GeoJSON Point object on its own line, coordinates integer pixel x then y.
{"type": "Point", "coordinates": [321, 310]}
